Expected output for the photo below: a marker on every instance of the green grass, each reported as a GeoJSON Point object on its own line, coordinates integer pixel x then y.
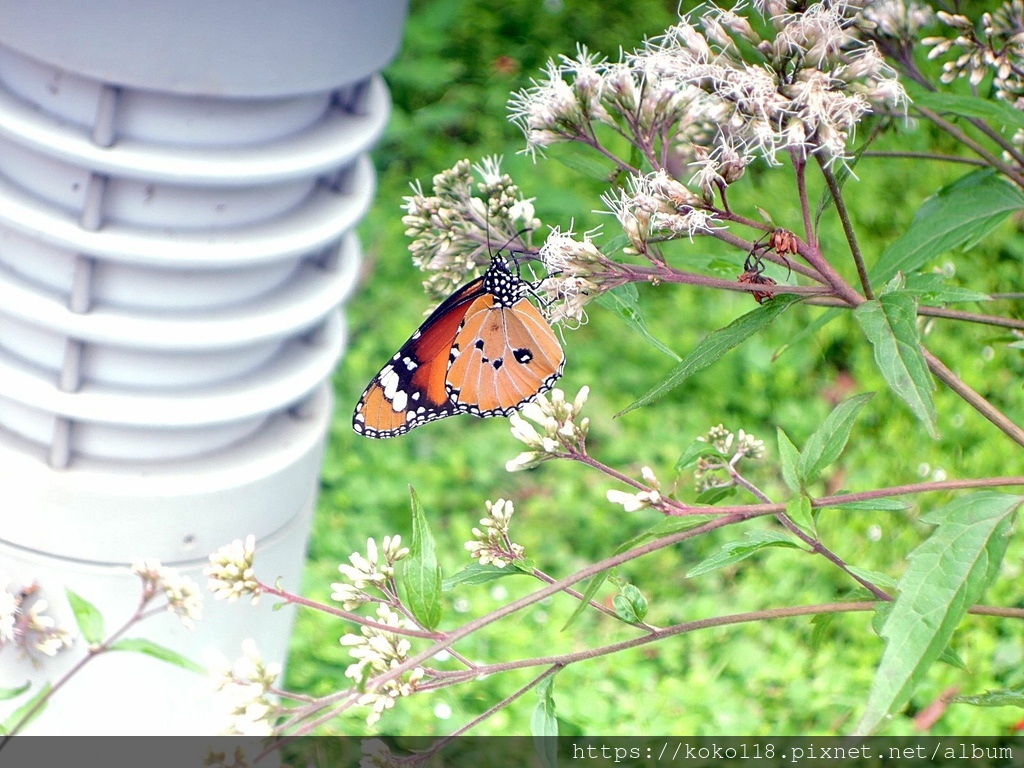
{"type": "Point", "coordinates": [450, 83]}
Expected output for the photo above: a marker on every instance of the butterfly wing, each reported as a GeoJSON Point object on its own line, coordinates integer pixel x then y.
{"type": "Point", "coordinates": [503, 357]}
{"type": "Point", "coordinates": [411, 390]}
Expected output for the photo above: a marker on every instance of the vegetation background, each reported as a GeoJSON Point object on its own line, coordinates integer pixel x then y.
{"type": "Point", "coordinates": [450, 84]}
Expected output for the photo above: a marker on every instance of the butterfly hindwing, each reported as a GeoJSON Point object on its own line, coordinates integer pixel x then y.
{"type": "Point", "coordinates": [503, 358]}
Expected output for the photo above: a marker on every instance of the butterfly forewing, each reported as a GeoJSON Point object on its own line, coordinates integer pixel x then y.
{"type": "Point", "coordinates": [410, 390]}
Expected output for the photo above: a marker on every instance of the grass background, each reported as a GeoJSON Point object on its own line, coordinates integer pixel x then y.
{"type": "Point", "coordinates": [460, 60]}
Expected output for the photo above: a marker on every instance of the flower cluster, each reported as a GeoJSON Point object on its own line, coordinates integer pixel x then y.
{"type": "Point", "coordinates": [182, 594]}
{"type": "Point", "coordinates": [713, 81]}
{"type": "Point", "coordinates": [657, 204]}
{"type": "Point", "coordinates": [892, 20]}
{"type": "Point", "coordinates": [377, 651]}
{"type": "Point", "coordinates": [455, 229]}
{"type": "Point", "coordinates": [377, 754]}
{"type": "Point", "coordinates": [577, 273]}
{"type": "Point", "coordinates": [368, 571]}
{"type": "Point", "coordinates": [644, 499]}
{"type": "Point", "coordinates": [492, 544]}
{"type": "Point", "coordinates": [230, 572]}
{"type": "Point", "coordinates": [998, 48]}
{"type": "Point", "coordinates": [558, 432]}
{"type": "Point", "coordinates": [24, 623]}
{"type": "Point", "coordinates": [246, 692]}
{"type": "Point", "coordinates": [726, 450]}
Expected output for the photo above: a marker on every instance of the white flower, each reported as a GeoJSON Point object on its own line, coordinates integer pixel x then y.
{"type": "Point", "coordinates": [493, 545]}
{"type": "Point", "coordinates": [632, 502]}
{"type": "Point", "coordinates": [182, 593]}
{"type": "Point", "coordinates": [231, 574]}
{"type": "Point", "coordinates": [559, 423]}
{"type": "Point", "coordinates": [376, 651]}
{"type": "Point", "coordinates": [245, 691]}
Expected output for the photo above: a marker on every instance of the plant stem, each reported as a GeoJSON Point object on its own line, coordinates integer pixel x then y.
{"type": "Point", "coordinates": [347, 615]}
{"type": "Point", "coordinates": [1008, 170]}
{"type": "Point", "coordinates": [844, 216]}
{"type": "Point", "coordinates": [553, 669]}
{"type": "Point", "coordinates": [975, 400]}
{"type": "Point", "coordinates": [925, 156]}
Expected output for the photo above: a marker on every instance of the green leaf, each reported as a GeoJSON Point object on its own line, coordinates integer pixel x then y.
{"type": "Point", "coordinates": [19, 719]}
{"type": "Point", "coordinates": [630, 604]}
{"type": "Point", "coordinates": [694, 451]}
{"type": "Point", "coordinates": [946, 575]}
{"type": "Point", "coordinates": [475, 574]}
{"type": "Point", "coordinates": [1004, 698]}
{"type": "Point", "coordinates": [624, 302]}
{"type": "Point", "coordinates": [889, 323]}
{"type": "Point", "coordinates": [883, 580]}
{"type": "Point", "coordinates": [716, 344]}
{"type": "Point", "coordinates": [873, 505]}
{"type": "Point", "coordinates": [584, 160]}
{"type": "Point", "coordinates": [829, 440]}
{"type": "Point", "coordinates": [421, 574]}
{"type": "Point", "coordinates": [953, 659]}
{"type": "Point", "coordinates": [958, 215]}
{"type": "Point", "coordinates": [822, 623]}
{"type": "Point", "coordinates": [13, 693]}
{"type": "Point", "coordinates": [88, 618]}
{"type": "Point", "coordinates": [789, 456]}
{"type": "Point", "coordinates": [734, 551]}
{"type": "Point", "coordinates": [998, 113]}
{"type": "Point", "coordinates": [141, 645]}
{"type": "Point", "coordinates": [932, 288]}
{"type": "Point", "coordinates": [712, 496]}
{"type": "Point", "coordinates": [800, 512]}
{"type": "Point", "coordinates": [588, 594]}
{"type": "Point", "coordinates": [544, 723]}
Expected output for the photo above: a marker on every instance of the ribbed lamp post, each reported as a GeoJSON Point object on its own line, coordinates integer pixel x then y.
{"type": "Point", "coordinates": [179, 183]}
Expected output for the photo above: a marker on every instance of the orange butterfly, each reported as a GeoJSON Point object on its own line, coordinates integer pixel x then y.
{"type": "Point", "coordinates": [486, 350]}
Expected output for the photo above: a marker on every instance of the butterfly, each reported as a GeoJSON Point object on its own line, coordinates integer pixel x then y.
{"type": "Point", "coordinates": [486, 350]}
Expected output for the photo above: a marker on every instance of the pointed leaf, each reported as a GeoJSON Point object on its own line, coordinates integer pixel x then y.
{"type": "Point", "coordinates": [946, 575]}
{"type": "Point", "coordinates": [421, 574]}
{"type": "Point", "coordinates": [883, 580]}
{"type": "Point", "coordinates": [475, 574]}
{"type": "Point", "coordinates": [734, 551]}
{"type": "Point", "coordinates": [959, 214]}
{"type": "Point", "coordinates": [800, 512]}
{"type": "Point", "coordinates": [716, 344]}
{"type": "Point", "coordinates": [1004, 698]}
{"type": "Point", "coordinates": [789, 456]}
{"type": "Point", "coordinates": [889, 323]}
{"type": "Point", "coordinates": [87, 616]}
{"type": "Point", "coordinates": [829, 440]}
{"type": "Point", "coordinates": [20, 718]}
{"type": "Point", "coordinates": [544, 723]}
{"type": "Point", "coordinates": [933, 288]}
{"type": "Point", "coordinates": [873, 505]}
{"type": "Point", "coordinates": [624, 302]}
{"type": "Point", "coordinates": [141, 645]}
{"type": "Point", "coordinates": [584, 160]}
{"type": "Point", "coordinates": [630, 604]}
{"type": "Point", "coordinates": [13, 693]}
{"type": "Point", "coordinates": [593, 585]}
{"type": "Point", "coordinates": [998, 113]}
